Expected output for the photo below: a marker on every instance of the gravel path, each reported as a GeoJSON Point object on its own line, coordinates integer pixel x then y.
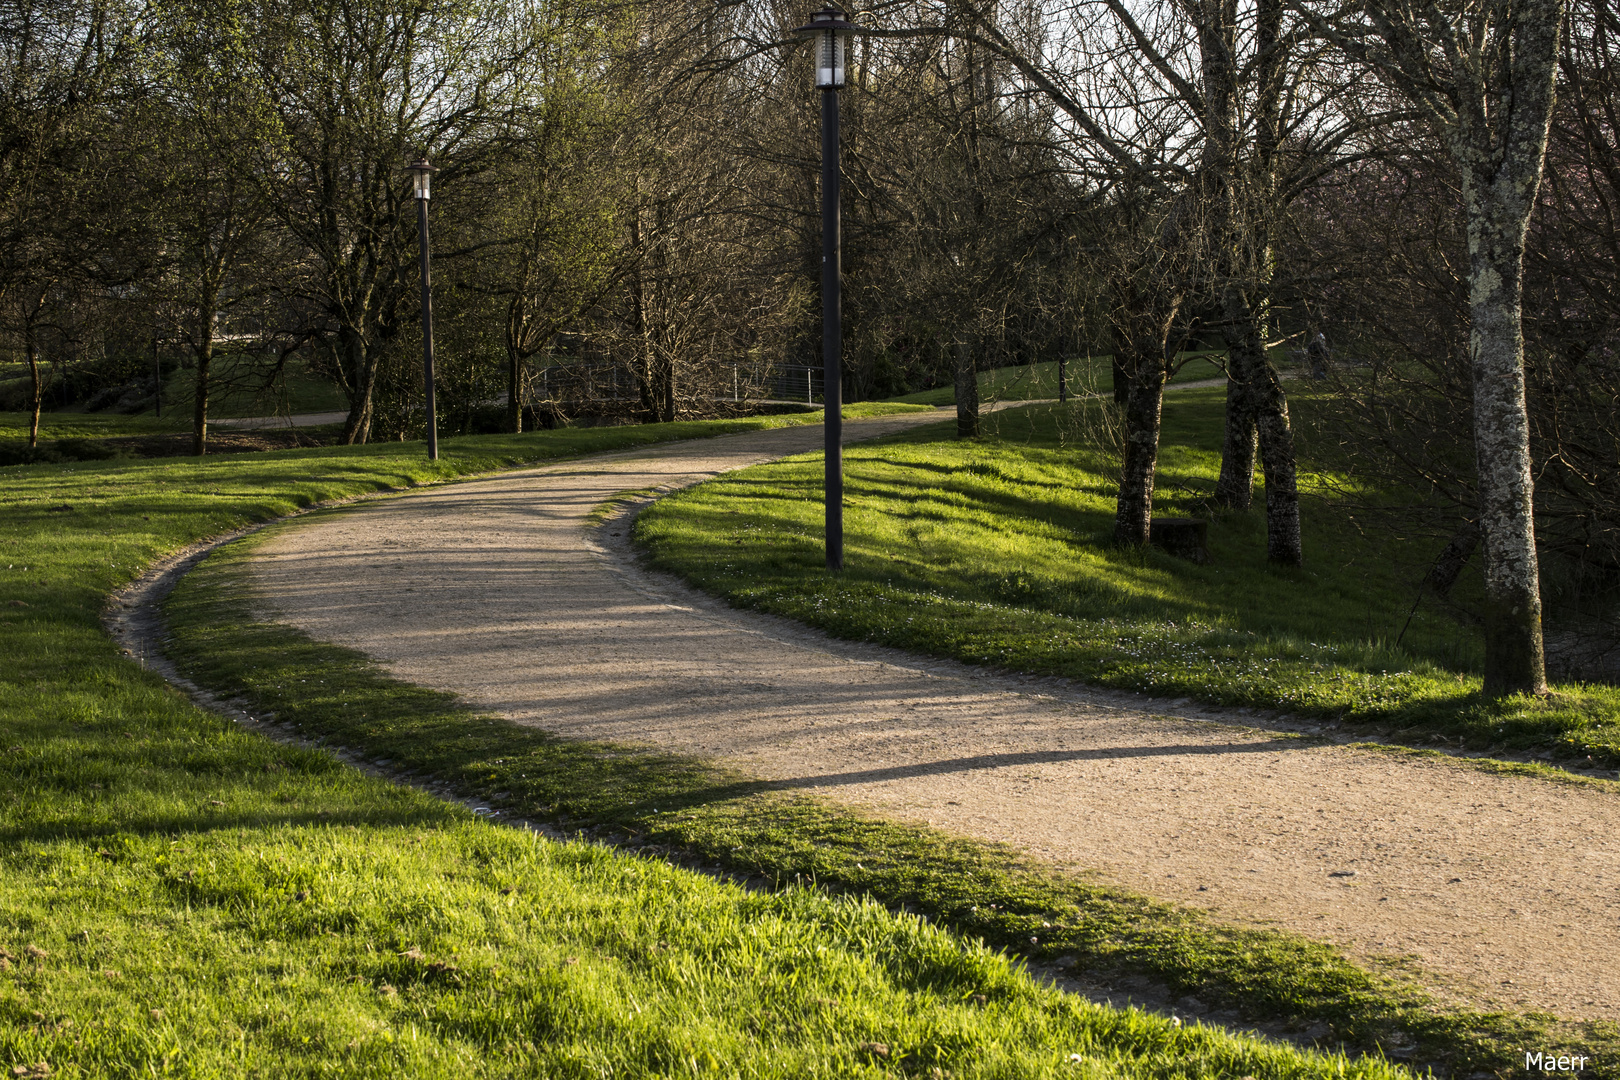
{"type": "Point", "coordinates": [1505, 891]}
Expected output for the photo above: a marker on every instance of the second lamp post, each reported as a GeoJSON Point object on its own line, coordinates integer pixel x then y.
{"type": "Point", "coordinates": [422, 174]}
{"type": "Point", "coordinates": [829, 33]}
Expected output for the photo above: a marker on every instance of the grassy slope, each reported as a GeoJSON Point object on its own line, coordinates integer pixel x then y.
{"type": "Point", "coordinates": [180, 897]}
{"type": "Point", "coordinates": [71, 425]}
{"type": "Point", "coordinates": [998, 552]}
{"type": "Point", "coordinates": [297, 391]}
{"type": "Point", "coordinates": [1034, 382]}
{"type": "Point", "coordinates": [66, 425]}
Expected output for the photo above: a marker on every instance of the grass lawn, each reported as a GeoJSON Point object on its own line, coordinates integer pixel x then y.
{"type": "Point", "coordinates": [72, 425]}
{"type": "Point", "coordinates": [998, 551]}
{"type": "Point", "coordinates": [1035, 382]}
{"type": "Point", "coordinates": [295, 391]}
{"type": "Point", "coordinates": [179, 896]}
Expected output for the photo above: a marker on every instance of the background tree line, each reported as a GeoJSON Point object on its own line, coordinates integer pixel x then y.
{"type": "Point", "coordinates": [1419, 202]}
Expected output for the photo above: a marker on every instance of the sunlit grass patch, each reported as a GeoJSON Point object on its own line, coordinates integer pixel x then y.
{"type": "Point", "coordinates": [181, 897]}
{"type": "Point", "coordinates": [689, 809]}
{"type": "Point", "coordinates": [453, 948]}
{"type": "Point", "coordinates": [999, 551]}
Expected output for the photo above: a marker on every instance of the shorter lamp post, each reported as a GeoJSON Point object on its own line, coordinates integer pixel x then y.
{"type": "Point", "coordinates": [422, 175]}
{"type": "Point", "coordinates": [829, 33]}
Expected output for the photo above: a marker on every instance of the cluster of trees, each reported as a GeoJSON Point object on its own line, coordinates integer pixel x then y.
{"type": "Point", "coordinates": [1429, 190]}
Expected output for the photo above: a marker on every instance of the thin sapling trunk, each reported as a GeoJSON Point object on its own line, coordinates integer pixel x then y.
{"type": "Point", "coordinates": [38, 389]}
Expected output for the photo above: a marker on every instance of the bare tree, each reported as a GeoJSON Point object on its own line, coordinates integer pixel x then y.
{"type": "Point", "coordinates": [355, 89]}
{"type": "Point", "coordinates": [198, 130]}
{"type": "Point", "coordinates": [58, 60]}
{"type": "Point", "coordinates": [1483, 73]}
{"type": "Point", "coordinates": [1223, 119]}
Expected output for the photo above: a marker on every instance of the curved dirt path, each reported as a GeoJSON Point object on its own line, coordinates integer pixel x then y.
{"type": "Point", "coordinates": [1504, 890]}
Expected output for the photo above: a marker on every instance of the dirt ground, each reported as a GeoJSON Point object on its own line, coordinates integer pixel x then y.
{"type": "Point", "coordinates": [1503, 891]}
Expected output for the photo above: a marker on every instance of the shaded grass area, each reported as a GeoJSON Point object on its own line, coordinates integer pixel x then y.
{"type": "Point", "coordinates": [182, 897]}
{"type": "Point", "coordinates": [68, 436]}
{"type": "Point", "coordinates": [676, 806]}
{"type": "Point", "coordinates": [999, 552]}
{"type": "Point", "coordinates": [70, 425]}
{"type": "Point", "coordinates": [1034, 382]}
{"type": "Point", "coordinates": [237, 389]}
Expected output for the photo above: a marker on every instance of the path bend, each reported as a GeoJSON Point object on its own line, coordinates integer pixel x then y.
{"type": "Point", "coordinates": [1504, 889]}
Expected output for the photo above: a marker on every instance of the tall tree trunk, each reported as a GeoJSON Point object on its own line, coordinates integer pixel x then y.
{"type": "Point", "coordinates": [1235, 488]}
{"type": "Point", "coordinates": [1256, 406]}
{"type": "Point", "coordinates": [1493, 104]}
{"type": "Point", "coordinates": [1499, 140]}
{"type": "Point", "coordinates": [1144, 408]}
{"type": "Point", "coordinates": [514, 391]}
{"type": "Point", "coordinates": [38, 397]}
{"type": "Point", "coordinates": [666, 371]}
{"type": "Point", "coordinates": [967, 391]}
{"type": "Point", "coordinates": [361, 382]}
{"type": "Point", "coordinates": [1284, 545]}
{"type": "Point", "coordinates": [1515, 660]}
{"type": "Point", "coordinates": [1261, 396]}
{"type": "Point", "coordinates": [204, 354]}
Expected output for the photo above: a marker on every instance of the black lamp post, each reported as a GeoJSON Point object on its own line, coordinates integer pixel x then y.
{"type": "Point", "coordinates": [829, 33]}
{"type": "Point", "coordinates": [422, 175]}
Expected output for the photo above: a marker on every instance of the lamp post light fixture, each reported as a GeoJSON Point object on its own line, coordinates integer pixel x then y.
{"type": "Point", "coordinates": [422, 178]}
{"type": "Point", "coordinates": [829, 33]}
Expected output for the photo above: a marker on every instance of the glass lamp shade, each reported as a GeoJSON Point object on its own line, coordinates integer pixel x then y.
{"type": "Point", "coordinates": [422, 178]}
{"type": "Point", "coordinates": [829, 32]}
{"type": "Point", "coordinates": [831, 49]}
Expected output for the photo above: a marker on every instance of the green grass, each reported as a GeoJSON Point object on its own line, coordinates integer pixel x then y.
{"type": "Point", "coordinates": [179, 896]}
{"type": "Point", "coordinates": [998, 552]}
{"type": "Point", "coordinates": [77, 436]}
{"type": "Point", "coordinates": [70, 425]}
{"type": "Point", "coordinates": [1034, 382]}
{"type": "Point", "coordinates": [296, 390]}
{"type": "Point", "coordinates": [678, 807]}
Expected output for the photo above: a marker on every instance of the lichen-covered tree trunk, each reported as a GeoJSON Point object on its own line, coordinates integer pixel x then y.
{"type": "Point", "coordinates": [1499, 138]}
{"type": "Point", "coordinates": [1235, 487]}
{"type": "Point", "coordinates": [1262, 402]}
{"type": "Point", "coordinates": [1284, 545]}
{"type": "Point", "coordinates": [1487, 84]}
{"type": "Point", "coordinates": [1514, 653]}
{"type": "Point", "coordinates": [1144, 409]}
{"type": "Point", "coordinates": [967, 391]}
